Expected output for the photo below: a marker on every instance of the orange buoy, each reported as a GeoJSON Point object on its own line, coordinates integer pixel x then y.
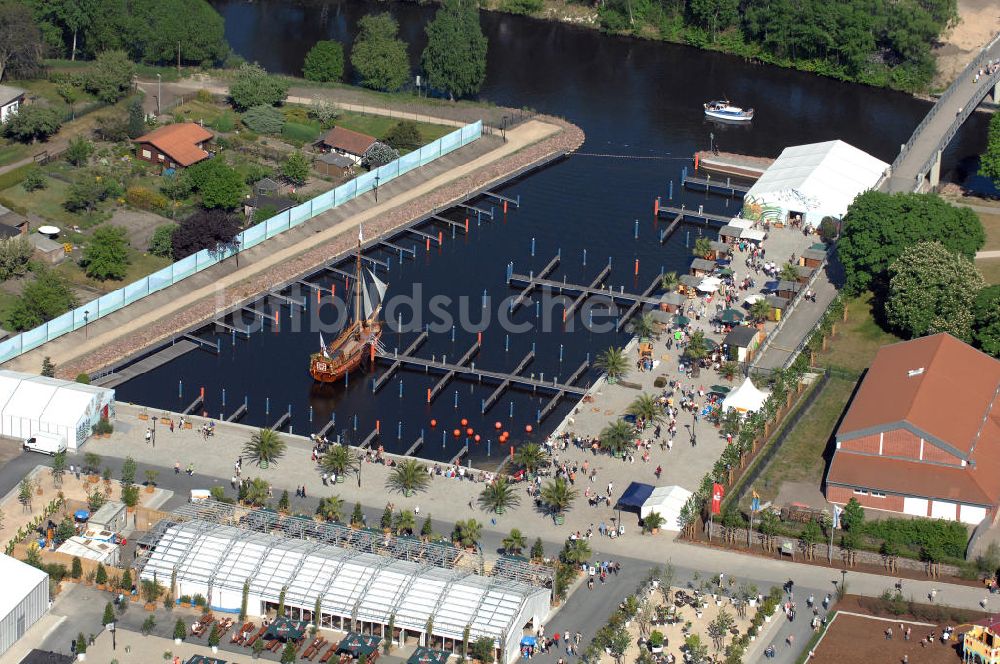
{"type": "Point", "coordinates": [465, 422]}
{"type": "Point", "coordinates": [476, 438]}
{"type": "Point", "coordinates": [469, 431]}
{"type": "Point", "coordinates": [506, 435]}
{"type": "Point", "coordinates": [456, 433]}
{"type": "Point", "coordinates": [528, 428]}
{"type": "Point", "coordinates": [497, 426]}
{"type": "Point", "coordinates": [695, 161]}
{"type": "Point", "coordinates": [434, 423]}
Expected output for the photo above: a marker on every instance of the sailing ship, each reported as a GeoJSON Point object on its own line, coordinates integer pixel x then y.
{"type": "Point", "coordinates": [723, 110]}
{"type": "Point", "coordinates": [360, 337]}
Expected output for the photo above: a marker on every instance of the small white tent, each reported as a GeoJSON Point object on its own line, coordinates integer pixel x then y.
{"type": "Point", "coordinates": [30, 404]}
{"type": "Point", "coordinates": [746, 398]}
{"type": "Point", "coordinates": [815, 181]}
{"type": "Point", "coordinates": [666, 501]}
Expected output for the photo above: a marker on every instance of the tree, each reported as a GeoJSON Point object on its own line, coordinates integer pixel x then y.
{"type": "Point", "coordinates": [697, 346]}
{"type": "Point", "coordinates": [760, 310]}
{"type": "Point", "coordinates": [324, 62]}
{"type": "Point", "coordinates": [219, 185]}
{"type": "Point", "coordinates": [180, 631]}
{"type": "Point", "coordinates": [256, 492]}
{"type": "Point", "coordinates": [110, 78]}
{"type": "Point", "coordinates": [853, 516]}
{"type": "Point", "coordinates": [331, 508]}
{"type": "Point", "coordinates": [408, 477]}
{"type": "Point", "coordinates": [379, 154]}
{"type": "Point", "coordinates": [644, 325]}
{"type": "Point", "coordinates": [644, 407]}
{"type": "Point", "coordinates": [386, 520]}
{"type": "Point", "coordinates": [575, 552]}
{"type": "Point", "coordinates": [206, 229]}
{"type": "Point", "coordinates": [15, 253]}
{"type": "Point", "coordinates": [715, 15]}
{"type": "Point", "coordinates": [483, 650]}
{"type": "Point", "coordinates": [112, 127]}
{"type": "Point", "coordinates": [265, 447]}
{"type": "Point", "coordinates": [378, 56]}
{"type": "Point", "coordinates": [296, 168]}
{"type": "Point", "coordinates": [79, 151]}
{"type": "Point", "coordinates": [253, 86]}
{"type": "Point", "coordinates": [81, 643]}
{"type": "Point", "coordinates": [25, 492]}
{"type": "Point", "coordinates": [986, 320]}
{"type": "Point", "coordinates": [20, 41]}
{"type": "Point", "coordinates": [151, 476]}
{"type": "Point", "coordinates": [136, 119]}
{"type": "Point", "coordinates": [128, 471]}
{"type": "Point", "coordinates": [618, 643]}
{"type": "Point", "coordinates": [499, 495]}
{"type": "Point", "coordinates": [48, 296]}
{"type": "Point", "coordinates": [878, 227]}
{"type": "Point", "coordinates": [702, 247]}
{"type": "Point", "coordinates": [101, 575]}
{"type": "Point", "coordinates": [358, 517]}
{"type": "Point", "coordinates": [31, 123]}
{"type": "Point", "coordinates": [989, 161]}
{"type": "Point", "coordinates": [66, 529]}
{"type": "Point", "coordinates": [34, 180]}
{"type": "Point", "coordinates": [213, 636]}
{"type": "Point", "coordinates": [106, 254]}
{"type": "Point", "coordinates": [455, 56]}
{"type": "Point", "coordinates": [669, 281]}
{"type": "Point", "coordinates": [427, 529]}
{"type": "Point", "coordinates": [719, 628]}
{"type": "Point", "coordinates": [289, 653]}
{"type": "Point", "coordinates": [514, 542]}
{"type": "Point", "coordinates": [653, 521]}
{"type": "Point", "coordinates": [76, 568]}
{"type": "Point", "coordinates": [617, 437]}
{"type": "Point", "coordinates": [161, 243]}
{"type": "Point", "coordinates": [614, 363]}
{"type": "Point", "coordinates": [932, 289]}
{"type": "Point", "coordinates": [467, 533]}
{"type": "Point", "coordinates": [284, 501]}
{"type": "Point", "coordinates": [537, 549]}
{"type": "Point", "coordinates": [404, 135]}
{"type": "Point", "coordinates": [340, 461]}
{"type": "Point", "coordinates": [264, 119]}
{"type": "Point", "coordinates": [189, 30]}
{"type": "Point", "coordinates": [558, 495]}
{"type": "Point", "coordinates": [531, 457]}
{"type": "Point", "coordinates": [404, 523]}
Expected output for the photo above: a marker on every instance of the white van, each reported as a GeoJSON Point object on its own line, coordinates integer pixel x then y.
{"type": "Point", "coordinates": [46, 443]}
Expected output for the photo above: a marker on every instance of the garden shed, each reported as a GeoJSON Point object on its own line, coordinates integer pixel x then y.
{"type": "Point", "coordinates": [31, 404]}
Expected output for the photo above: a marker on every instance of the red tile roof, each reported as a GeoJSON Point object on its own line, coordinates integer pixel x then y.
{"type": "Point", "coordinates": [352, 142]}
{"type": "Point", "coordinates": [937, 385]}
{"type": "Point", "coordinates": [912, 478]}
{"type": "Point", "coordinates": [179, 141]}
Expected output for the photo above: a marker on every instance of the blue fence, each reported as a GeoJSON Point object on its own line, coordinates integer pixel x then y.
{"type": "Point", "coordinates": [111, 302]}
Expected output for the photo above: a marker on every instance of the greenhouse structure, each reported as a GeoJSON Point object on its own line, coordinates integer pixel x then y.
{"type": "Point", "coordinates": [357, 590]}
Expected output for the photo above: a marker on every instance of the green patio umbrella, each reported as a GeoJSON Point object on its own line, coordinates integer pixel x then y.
{"type": "Point", "coordinates": [726, 272]}
{"type": "Point", "coordinates": [731, 316]}
{"type": "Point", "coordinates": [721, 390]}
{"type": "Point", "coordinates": [681, 320]}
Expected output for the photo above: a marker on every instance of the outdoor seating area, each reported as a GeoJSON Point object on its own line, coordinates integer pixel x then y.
{"type": "Point", "coordinates": [423, 655]}
{"type": "Point", "coordinates": [361, 647]}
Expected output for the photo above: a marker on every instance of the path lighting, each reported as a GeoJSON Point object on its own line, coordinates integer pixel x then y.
{"type": "Point", "coordinates": [86, 319]}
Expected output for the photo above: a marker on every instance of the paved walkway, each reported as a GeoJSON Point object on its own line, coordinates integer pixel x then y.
{"type": "Point", "coordinates": [993, 253]}
{"type": "Point", "coordinates": [159, 316]}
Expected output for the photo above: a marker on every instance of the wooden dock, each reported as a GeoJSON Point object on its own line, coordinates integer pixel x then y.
{"type": "Point", "coordinates": [564, 287]}
{"type": "Point", "coordinates": [384, 378]}
{"type": "Point", "coordinates": [282, 421]}
{"type": "Point", "coordinates": [417, 444]}
{"type": "Point", "coordinates": [366, 443]}
{"type": "Point", "coordinates": [495, 396]}
{"type": "Point", "coordinates": [167, 354]}
{"type": "Point", "coordinates": [545, 271]}
{"type": "Point", "coordinates": [638, 303]}
{"type": "Point", "coordinates": [202, 344]}
{"type": "Point", "coordinates": [516, 202]}
{"type": "Point", "coordinates": [716, 186]}
{"type": "Point", "coordinates": [732, 164]}
{"type": "Point", "coordinates": [669, 230]}
{"type": "Point", "coordinates": [700, 216]}
{"type": "Point", "coordinates": [458, 225]}
{"type": "Point", "coordinates": [436, 390]}
{"type": "Point", "coordinates": [238, 413]}
{"type": "Point", "coordinates": [193, 405]}
{"type": "Point", "coordinates": [602, 275]}
{"type": "Point", "coordinates": [554, 401]}
{"type": "Point", "coordinates": [479, 211]}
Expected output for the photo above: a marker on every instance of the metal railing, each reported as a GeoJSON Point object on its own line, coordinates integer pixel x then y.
{"type": "Point", "coordinates": [762, 350]}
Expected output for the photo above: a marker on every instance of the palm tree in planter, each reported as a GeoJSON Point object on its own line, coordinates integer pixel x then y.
{"type": "Point", "coordinates": [644, 325]}
{"type": "Point", "coordinates": [760, 310]}
{"type": "Point", "coordinates": [702, 247]}
{"type": "Point", "coordinates": [558, 496]}
{"type": "Point", "coordinates": [255, 492]}
{"type": "Point", "coordinates": [408, 477]}
{"type": "Point", "coordinates": [404, 523]}
{"type": "Point", "coordinates": [729, 370]}
{"type": "Point", "coordinates": [788, 273]}
{"type": "Point", "coordinates": [515, 542]}
{"type": "Point", "coordinates": [264, 448]}
{"type": "Point", "coordinates": [467, 533]}
{"type": "Point", "coordinates": [340, 461]}
{"type": "Point", "coordinates": [614, 363]}
{"type": "Point", "coordinates": [616, 438]}
{"type": "Point", "coordinates": [645, 408]}
{"type": "Point", "coordinates": [531, 457]}
{"type": "Point", "coordinates": [697, 347]}
{"type": "Point", "coordinates": [499, 495]}
{"type": "Point", "coordinates": [575, 552]}
{"type": "Point", "coordinates": [669, 281]}
{"type": "Point", "coordinates": [331, 508]}
{"type": "Point", "coordinates": [652, 523]}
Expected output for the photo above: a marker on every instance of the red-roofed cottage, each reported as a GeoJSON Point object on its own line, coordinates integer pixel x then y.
{"type": "Point", "coordinates": [922, 434]}
{"type": "Point", "coordinates": [175, 145]}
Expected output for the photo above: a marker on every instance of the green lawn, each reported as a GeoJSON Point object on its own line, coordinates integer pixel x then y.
{"type": "Point", "coordinates": [11, 152]}
{"type": "Point", "coordinates": [379, 125]}
{"type": "Point", "coordinates": [199, 111]}
{"type": "Point", "coordinates": [991, 223]}
{"type": "Point", "coordinates": [990, 269]}
{"type": "Point", "coordinates": [801, 456]}
{"type": "Point", "coordinates": [48, 203]}
{"type": "Point", "coordinates": [858, 339]}
{"type": "Point", "coordinates": [140, 265]}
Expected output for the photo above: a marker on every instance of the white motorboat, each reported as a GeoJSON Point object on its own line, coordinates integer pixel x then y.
{"type": "Point", "coordinates": [723, 110]}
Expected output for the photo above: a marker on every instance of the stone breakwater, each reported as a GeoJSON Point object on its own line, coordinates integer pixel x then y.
{"type": "Point", "coordinates": [569, 138]}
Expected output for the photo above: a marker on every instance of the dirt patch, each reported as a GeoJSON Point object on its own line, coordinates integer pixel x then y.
{"type": "Point", "coordinates": [139, 224]}
{"type": "Point", "coordinates": [978, 21]}
{"type": "Point", "coordinates": [858, 639]}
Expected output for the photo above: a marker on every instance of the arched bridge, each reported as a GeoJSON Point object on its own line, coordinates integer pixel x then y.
{"type": "Point", "coordinates": [918, 165]}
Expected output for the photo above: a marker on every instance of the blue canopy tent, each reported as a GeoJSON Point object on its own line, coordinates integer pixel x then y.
{"type": "Point", "coordinates": [635, 495]}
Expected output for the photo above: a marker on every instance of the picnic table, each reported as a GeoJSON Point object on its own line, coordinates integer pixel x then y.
{"type": "Point", "coordinates": [257, 635]}
{"type": "Point", "coordinates": [314, 648]}
{"type": "Point", "coordinates": [243, 633]}
{"type": "Point", "coordinates": [329, 653]}
{"type": "Point", "coordinates": [203, 624]}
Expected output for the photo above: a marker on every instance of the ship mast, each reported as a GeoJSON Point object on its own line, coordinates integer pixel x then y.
{"type": "Point", "coordinates": [357, 283]}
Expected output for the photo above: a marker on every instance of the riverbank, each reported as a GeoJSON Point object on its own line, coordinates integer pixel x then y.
{"type": "Point", "coordinates": [198, 299]}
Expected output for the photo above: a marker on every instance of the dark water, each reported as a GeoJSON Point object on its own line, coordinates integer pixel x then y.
{"type": "Point", "coordinates": [632, 98]}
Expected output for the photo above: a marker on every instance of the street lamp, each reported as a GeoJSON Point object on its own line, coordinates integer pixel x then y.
{"type": "Point", "coordinates": [114, 641]}
{"type": "Point", "coordinates": [86, 319]}
{"type": "Point", "coordinates": [376, 187]}
{"type": "Point", "coordinates": [843, 581]}
{"type": "Point", "coordinates": [159, 93]}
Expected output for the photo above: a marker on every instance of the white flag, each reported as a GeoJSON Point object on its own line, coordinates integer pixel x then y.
{"type": "Point", "coordinates": [361, 235]}
{"type": "Point", "coordinates": [322, 344]}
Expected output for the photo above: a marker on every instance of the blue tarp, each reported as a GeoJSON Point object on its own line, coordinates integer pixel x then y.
{"type": "Point", "coordinates": [635, 495]}
{"type": "Point", "coordinates": [529, 641]}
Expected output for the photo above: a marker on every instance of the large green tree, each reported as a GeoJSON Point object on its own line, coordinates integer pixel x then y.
{"type": "Point", "coordinates": [111, 76]}
{"type": "Point", "coordinates": [219, 184]}
{"type": "Point", "coordinates": [932, 290]}
{"type": "Point", "coordinates": [989, 162]}
{"type": "Point", "coordinates": [106, 254]}
{"type": "Point", "coordinates": [20, 41]}
{"type": "Point", "coordinates": [324, 62]}
{"type": "Point", "coordinates": [878, 227]}
{"type": "Point", "coordinates": [378, 55]}
{"type": "Point", "coordinates": [32, 122]}
{"type": "Point", "coordinates": [986, 320]}
{"type": "Point", "coordinates": [48, 296]}
{"type": "Point", "coordinates": [455, 56]}
{"type": "Point", "coordinates": [253, 86]}
{"type": "Point", "coordinates": [714, 15]}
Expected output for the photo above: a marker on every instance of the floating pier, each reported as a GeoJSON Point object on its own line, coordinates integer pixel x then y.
{"type": "Point", "coordinates": [425, 235]}
{"type": "Point", "coordinates": [451, 374]}
{"type": "Point", "coordinates": [564, 287]}
{"type": "Point", "coordinates": [232, 328]}
{"type": "Point", "coordinates": [193, 405]}
{"type": "Point", "coordinates": [167, 354]}
{"type": "Point", "coordinates": [523, 297]}
{"type": "Point", "coordinates": [282, 421]}
{"type": "Point", "coordinates": [729, 163]}
{"type": "Point", "coordinates": [698, 215]}
{"type": "Point", "coordinates": [480, 211]}
{"type": "Point", "coordinates": [459, 225]}
{"type": "Point", "coordinates": [516, 202]}
{"type": "Point", "coordinates": [669, 230]}
{"type": "Point", "coordinates": [366, 443]}
{"type": "Point", "coordinates": [638, 303]}
{"type": "Point", "coordinates": [338, 272]}
{"type": "Point", "coordinates": [492, 399]}
{"type": "Point", "coordinates": [384, 378]}
{"type": "Point", "coordinates": [372, 261]}
{"type": "Point", "coordinates": [238, 413]}
{"type": "Point", "coordinates": [417, 444]}
{"type": "Point", "coordinates": [602, 275]}
{"type": "Point", "coordinates": [554, 401]}
{"type": "Point", "coordinates": [292, 302]}
{"type": "Point", "coordinates": [717, 186]}
{"type": "Point", "coordinates": [204, 345]}
{"type": "Point", "coordinates": [402, 251]}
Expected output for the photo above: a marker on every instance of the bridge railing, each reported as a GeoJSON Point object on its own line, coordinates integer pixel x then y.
{"type": "Point", "coordinates": [973, 66]}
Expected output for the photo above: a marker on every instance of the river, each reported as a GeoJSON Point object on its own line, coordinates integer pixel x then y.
{"type": "Point", "coordinates": [633, 98]}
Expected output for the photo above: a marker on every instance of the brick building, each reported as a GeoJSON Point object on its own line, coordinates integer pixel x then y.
{"type": "Point", "coordinates": [922, 434]}
{"type": "Point", "coordinates": [176, 145]}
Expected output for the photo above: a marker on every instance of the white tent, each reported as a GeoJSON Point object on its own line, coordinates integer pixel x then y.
{"type": "Point", "coordinates": [31, 404]}
{"type": "Point", "coordinates": [816, 180]}
{"type": "Point", "coordinates": [745, 398]}
{"type": "Point", "coordinates": [709, 284]}
{"type": "Point", "coordinates": [666, 501]}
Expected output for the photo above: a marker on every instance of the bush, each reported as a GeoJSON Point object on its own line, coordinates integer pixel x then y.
{"type": "Point", "coordinates": [264, 119]}
{"type": "Point", "coordinates": [83, 378]}
{"type": "Point", "coordinates": [404, 135]}
{"type": "Point", "coordinates": [225, 123]}
{"type": "Point", "coordinates": [83, 196]}
{"type": "Point", "coordinates": [324, 62]}
{"type": "Point", "coordinates": [15, 252]}
{"type": "Point", "coordinates": [161, 244]}
{"type": "Point", "coordinates": [33, 123]}
{"type": "Point", "coordinates": [199, 600]}
{"type": "Point", "coordinates": [253, 86]}
{"type": "Point", "coordinates": [521, 6]}
{"type": "Point", "coordinates": [112, 127]}
{"type": "Point", "coordinates": [106, 254]}
{"type": "Point", "coordinates": [145, 199]}
{"type": "Point", "coordinates": [951, 537]}
{"type": "Point", "coordinates": [34, 180]}
{"type": "Point", "coordinates": [111, 76]}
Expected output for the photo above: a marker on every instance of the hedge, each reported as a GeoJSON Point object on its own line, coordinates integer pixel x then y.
{"type": "Point", "coordinates": [951, 536]}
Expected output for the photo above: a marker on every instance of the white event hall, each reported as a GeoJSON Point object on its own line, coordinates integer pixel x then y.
{"type": "Point", "coordinates": [31, 404]}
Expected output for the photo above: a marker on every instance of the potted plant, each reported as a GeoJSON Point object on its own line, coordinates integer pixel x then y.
{"type": "Point", "coordinates": [652, 523]}
{"type": "Point", "coordinates": [180, 631]}
{"type": "Point", "coordinates": [81, 647]}
{"type": "Point", "coordinates": [213, 637]}
{"type": "Point", "coordinates": [199, 601]}
{"type": "Point", "coordinates": [258, 648]}
{"type": "Point", "coordinates": [656, 641]}
{"type": "Point", "coordinates": [101, 577]}
{"type": "Point", "coordinates": [185, 601]}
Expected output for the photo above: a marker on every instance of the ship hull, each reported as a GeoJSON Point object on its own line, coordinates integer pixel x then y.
{"type": "Point", "coordinates": [343, 356]}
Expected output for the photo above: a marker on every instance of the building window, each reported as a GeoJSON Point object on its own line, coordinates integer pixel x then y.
{"type": "Point", "coordinates": [860, 492]}
{"type": "Point", "coordinates": [877, 494]}
{"type": "Point", "coordinates": [160, 157]}
{"type": "Point", "coordinates": [146, 154]}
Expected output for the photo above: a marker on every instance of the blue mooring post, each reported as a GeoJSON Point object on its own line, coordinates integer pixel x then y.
{"type": "Point", "coordinates": [347, 380]}
{"type": "Point", "coordinates": [400, 388]}
{"type": "Point", "coordinates": [684, 174]}
{"type": "Point", "coordinates": [636, 229]}
{"type": "Point", "coordinates": [532, 247]}
{"type": "Point", "coordinates": [333, 419]}
{"type": "Point", "coordinates": [482, 405]}
{"type": "Point", "coordinates": [670, 191]}
{"type": "Point", "coordinates": [180, 389]}
{"type": "Point", "coordinates": [506, 343]}
{"type": "Point", "coordinates": [484, 298]}
{"type": "Point", "coordinates": [538, 416]}
{"type": "Point", "coordinates": [560, 352]}
{"type": "Point", "coordinates": [234, 337]}
{"type": "Point", "coordinates": [488, 445]}
{"type": "Point", "coordinates": [444, 439]}
{"type": "Point", "coordinates": [289, 410]}
{"type": "Point", "coordinates": [310, 413]}
{"type": "Point", "coordinates": [584, 257]}
{"type": "Point", "coordinates": [538, 308]}
{"type": "Point", "coordinates": [453, 334]}
{"type": "Point", "coordinates": [511, 410]}
{"type": "Point", "coordinates": [267, 406]}
{"type": "Point", "coordinates": [399, 431]}
{"type": "Point", "coordinates": [532, 346]}
{"type": "Point", "coordinates": [355, 421]}
{"type": "Point", "coordinates": [223, 397]}
{"type": "Point", "coordinates": [456, 399]}
{"type": "Point", "coordinates": [246, 401]}
{"type": "Point", "coordinates": [609, 261]}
